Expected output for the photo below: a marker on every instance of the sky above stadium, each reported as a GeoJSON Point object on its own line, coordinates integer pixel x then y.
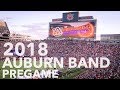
{"type": "Point", "coordinates": [36, 23]}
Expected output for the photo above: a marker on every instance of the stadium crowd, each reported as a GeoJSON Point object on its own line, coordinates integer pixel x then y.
{"type": "Point", "coordinates": [79, 48]}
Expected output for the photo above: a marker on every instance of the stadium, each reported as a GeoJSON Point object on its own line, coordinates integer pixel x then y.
{"type": "Point", "coordinates": [76, 37]}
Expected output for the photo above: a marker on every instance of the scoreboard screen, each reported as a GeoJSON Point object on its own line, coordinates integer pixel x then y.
{"type": "Point", "coordinates": [80, 29]}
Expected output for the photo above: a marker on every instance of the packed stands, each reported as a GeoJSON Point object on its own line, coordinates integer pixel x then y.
{"type": "Point", "coordinates": [78, 48]}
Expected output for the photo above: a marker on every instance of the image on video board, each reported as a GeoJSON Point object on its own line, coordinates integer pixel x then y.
{"type": "Point", "coordinates": [83, 29]}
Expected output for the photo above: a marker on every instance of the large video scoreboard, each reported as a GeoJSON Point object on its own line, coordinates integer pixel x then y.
{"type": "Point", "coordinates": [73, 27]}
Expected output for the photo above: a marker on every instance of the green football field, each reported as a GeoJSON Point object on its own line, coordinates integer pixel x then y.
{"type": "Point", "coordinates": [66, 73]}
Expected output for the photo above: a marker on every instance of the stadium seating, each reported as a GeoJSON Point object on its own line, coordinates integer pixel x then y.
{"type": "Point", "coordinates": [77, 49]}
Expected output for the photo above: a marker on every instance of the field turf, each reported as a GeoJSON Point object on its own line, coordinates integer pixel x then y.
{"type": "Point", "coordinates": [66, 73]}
